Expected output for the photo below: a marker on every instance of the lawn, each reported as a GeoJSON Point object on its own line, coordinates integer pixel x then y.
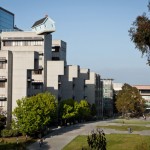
{"type": "Point", "coordinates": [132, 121]}
{"type": "Point", "coordinates": [114, 142]}
{"type": "Point", "coordinates": [125, 127]}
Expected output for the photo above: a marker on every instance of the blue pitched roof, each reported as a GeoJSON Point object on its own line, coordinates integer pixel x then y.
{"type": "Point", "coordinates": [39, 22]}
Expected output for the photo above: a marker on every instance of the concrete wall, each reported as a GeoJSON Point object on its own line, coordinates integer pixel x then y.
{"type": "Point", "coordinates": [61, 54]}
{"type": "Point", "coordinates": [22, 61]}
{"type": "Point", "coordinates": [79, 88]}
{"type": "Point", "coordinates": [90, 88]}
{"type": "Point", "coordinates": [54, 70]}
{"type": "Point", "coordinates": [67, 86]}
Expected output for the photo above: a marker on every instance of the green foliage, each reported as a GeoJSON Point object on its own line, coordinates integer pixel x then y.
{"type": "Point", "coordinates": [34, 113]}
{"type": "Point", "coordinates": [67, 110]}
{"type": "Point", "coordinates": [71, 110]}
{"type": "Point", "coordinates": [84, 110]}
{"type": "Point", "coordinates": [9, 133]}
{"type": "Point", "coordinates": [130, 101]}
{"type": "Point", "coordinates": [97, 140]}
{"type": "Point", "coordinates": [140, 34]}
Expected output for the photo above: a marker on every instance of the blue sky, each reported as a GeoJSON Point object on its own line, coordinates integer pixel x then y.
{"type": "Point", "coordinates": [96, 33]}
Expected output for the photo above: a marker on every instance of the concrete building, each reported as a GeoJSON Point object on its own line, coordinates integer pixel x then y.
{"type": "Point", "coordinates": [145, 93]}
{"type": "Point", "coordinates": [24, 63]}
{"type": "Point", "coordinates": [31, 62]}
{"type": "Point", "coordinates": [117, 87]}
{"type": "Point", "coordinates": [94, 92]}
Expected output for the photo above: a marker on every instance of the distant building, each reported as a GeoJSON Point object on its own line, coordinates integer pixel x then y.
{"type": "Point", "coordinates": [6, 19]}
{"type": "Point", "coordinates": [108, 102]}
{"type": "Point", "coordinates": [117, 87]}
{"type": "Point", "coordinates": [145, 93]}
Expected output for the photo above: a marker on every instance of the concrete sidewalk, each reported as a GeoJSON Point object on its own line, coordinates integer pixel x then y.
{"type": "Point", "coordinates": [61, 137]}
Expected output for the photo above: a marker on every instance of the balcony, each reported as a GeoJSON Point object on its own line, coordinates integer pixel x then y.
{"type": "Point", "coordinates": [37, 82]}
{"type": "Point", "coordinates": [3, 98]}
{"type": "Point", "coordinates": [40, 68]}
{"type": "Point", "coordinates": [3, 79]}
{"type": "Point", "coordinates": [29, 79]}
{"type": "Point", "coordinates": [3, 59]}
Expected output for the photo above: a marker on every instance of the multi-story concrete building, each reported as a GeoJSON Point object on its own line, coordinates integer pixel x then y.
{"type": "Point", "coordinates": [94, 92]}
{"type": "Point", "coordinates": [117, 87]}
{"type": "Point", "coordinates": [145, 93]}
{"type": "Point", "coordinates": [24, 63]}
{"type": "Point", "coordinates": [30, 63]}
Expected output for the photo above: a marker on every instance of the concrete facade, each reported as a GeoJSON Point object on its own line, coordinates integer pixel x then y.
{"type": "Point", "coordinates": [31, 63]}
{"type": "Point", "coordinates": [145, 93]}
{"type": "Point", "coordinates": [94, 92]}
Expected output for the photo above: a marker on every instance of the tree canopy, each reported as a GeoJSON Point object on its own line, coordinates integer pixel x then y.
{"type": "Point", "coordinates": [71, 110]}
{"type": "Point", "coordinates": [84, 109]}
{"type": "Point", "coordinates": [140, 34]}
{"type": "Point", "coordinates": [129, 100]}
{"type": "Point", "coordinates": [33, 113]}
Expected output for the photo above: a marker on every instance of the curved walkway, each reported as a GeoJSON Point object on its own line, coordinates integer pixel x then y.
{"type": "Point", "coordinates": [62, 136]}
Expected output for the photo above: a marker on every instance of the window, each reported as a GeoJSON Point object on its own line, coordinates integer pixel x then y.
{"type": "Point", "coordinates": [55, 58]}
{"type": "Point", "coordinates": [2, 103]}
{"type": "Point", "coordinates": [37, 86]}
{"type": "Point", "coordinates": [2, 65]}
{"type": "Point", "coordinates": [22, 43]}
{"type": "Point", "coordinates": [37, 71]}
{"type": "Point", "coordinates": [7, 43]}
{"type": "Point", "coordinates": [2, 84]}
{"type": "Point", "coordinates": [55, 48]}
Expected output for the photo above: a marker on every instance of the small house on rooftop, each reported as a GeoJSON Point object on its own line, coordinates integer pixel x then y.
{"type": "Point", "coordinates": [44, 25]}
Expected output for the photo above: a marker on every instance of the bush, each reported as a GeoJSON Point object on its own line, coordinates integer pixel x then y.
{"type": "Point", "coordinates": [97, 140]}
{"type": "Point", "coordinates": [9, 133]}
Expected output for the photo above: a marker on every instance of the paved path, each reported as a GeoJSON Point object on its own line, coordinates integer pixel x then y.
{"type": "Point", "coordinates": [62, 136]}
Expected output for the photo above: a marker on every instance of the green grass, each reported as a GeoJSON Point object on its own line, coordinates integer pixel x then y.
{"type": "Point", "coordinates": [132, 121]}
{"type": "Point", "coordinates": [114, 142]}
{"type": "Point", "coordinates": [125, 127]}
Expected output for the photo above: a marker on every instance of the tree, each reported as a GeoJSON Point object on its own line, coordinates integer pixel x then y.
{"type": "Point", "coordinates": [34, 113]}
{"type": "Point", "coordinates": [67, 110]}
{"type": "Point", "coordinates": [129, 100]}
{"type": "Point", "coordinates": [84, 109]}
{"type": "Point", "coordinates": [140, 34]}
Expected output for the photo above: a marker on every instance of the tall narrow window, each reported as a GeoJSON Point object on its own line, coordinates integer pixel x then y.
{"type": "Point", "coordinates": [2, 84]}
{"type": "Point", "coordinates": [2, 65]}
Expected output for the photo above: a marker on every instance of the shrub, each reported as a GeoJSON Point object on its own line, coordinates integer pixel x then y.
{"type": "Point", "coordinates": [9, 133]}
{"type": "Point", "coordinates": [97, 140]}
